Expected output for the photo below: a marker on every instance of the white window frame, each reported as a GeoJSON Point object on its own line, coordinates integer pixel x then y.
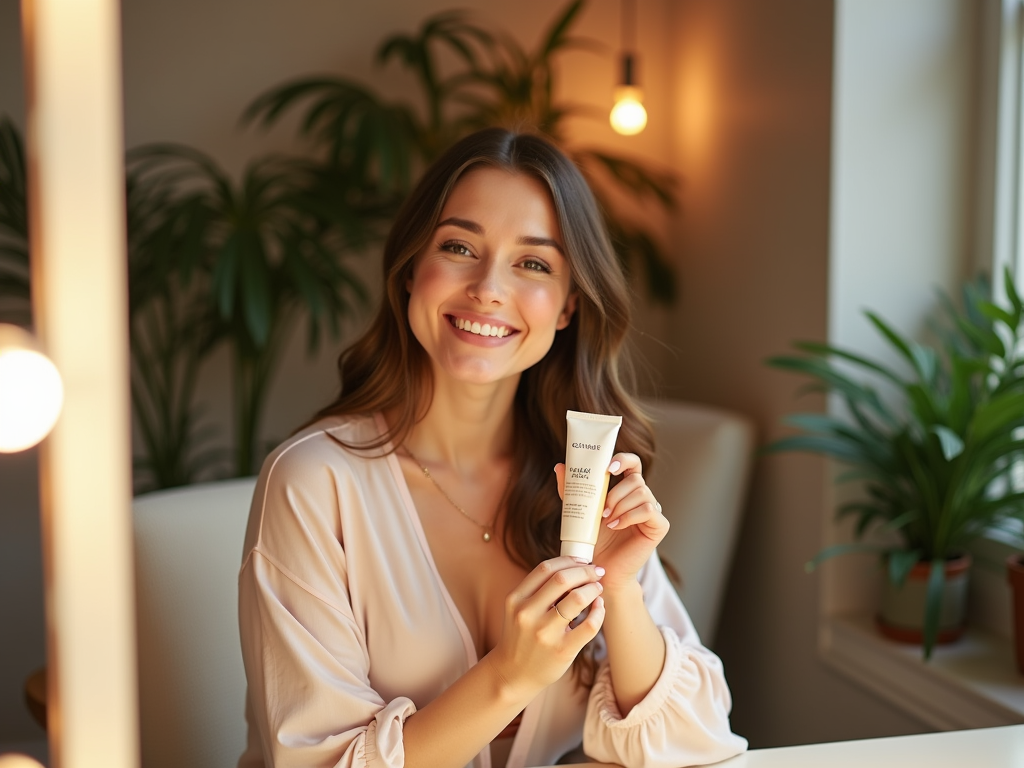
{"type": "Point", "coordinates": [1000, 225]}
{"type": "Point", "coordinates": [1001, 160]}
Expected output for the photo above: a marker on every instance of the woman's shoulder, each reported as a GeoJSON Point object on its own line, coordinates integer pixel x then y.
{"type": "Point", "coordinates": [340, 442]}
{"type": "Point", "coordinates": [297, 493]}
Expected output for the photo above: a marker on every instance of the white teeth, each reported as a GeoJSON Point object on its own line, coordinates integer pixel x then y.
{"type": "Point", "coordinates": [499, 331]}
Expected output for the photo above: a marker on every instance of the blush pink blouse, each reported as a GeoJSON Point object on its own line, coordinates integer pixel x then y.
{"type": "Point", "coordinates": [347, 628]}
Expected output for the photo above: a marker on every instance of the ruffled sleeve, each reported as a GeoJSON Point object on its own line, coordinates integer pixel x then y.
{"type": "Point", "coordinates": [306, 660]}
{"type": "Point", "coordinates": [684, 719]}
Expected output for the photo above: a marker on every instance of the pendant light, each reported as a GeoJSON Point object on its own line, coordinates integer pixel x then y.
{"type": "Point", "coordinates": [628, 116]}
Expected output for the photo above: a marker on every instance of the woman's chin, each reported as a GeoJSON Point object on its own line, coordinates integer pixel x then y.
{"type": "Point", "coordinates": [474, 373]}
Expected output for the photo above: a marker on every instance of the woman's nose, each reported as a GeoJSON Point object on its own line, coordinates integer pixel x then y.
{"type": "Point", "coordinates": [488, 285]}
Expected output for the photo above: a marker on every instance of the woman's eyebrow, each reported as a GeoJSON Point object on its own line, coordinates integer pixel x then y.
{"type": "Point", "coordinates": [540, 241]}
{"type": "Point", "coordinates": [466, 224]}
{"type": "Point", "coordinates": [476, 229]}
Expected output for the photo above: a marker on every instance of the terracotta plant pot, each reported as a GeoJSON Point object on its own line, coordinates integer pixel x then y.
{"type": "Point", "coordinates": [1015, 575]}
{"type": "Point", "coordinates": [901, 617]}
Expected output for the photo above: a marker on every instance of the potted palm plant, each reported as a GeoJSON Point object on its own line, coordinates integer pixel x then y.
{"type": "Point", "coordinates": [470, 77]}
{"type": "Point", "coordinates": [213, 261]}
{"type": "Point", "coordinates": [934, 453]}
{"type": "Point", "coordinates": [248, 260]}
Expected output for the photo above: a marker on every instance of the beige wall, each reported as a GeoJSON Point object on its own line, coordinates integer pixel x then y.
{"type": "Point", "coordinates": [812, 191]}
{"type": "Point", "coordinates": [740, 100]}
{"type": "Point", "coordinates": [753, 122]}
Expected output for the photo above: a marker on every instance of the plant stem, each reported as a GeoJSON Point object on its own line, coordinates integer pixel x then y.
{"type": "Point", "coordinates": [251, 377]}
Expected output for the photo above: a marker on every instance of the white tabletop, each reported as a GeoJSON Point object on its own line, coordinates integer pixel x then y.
{"type": "Point", "coordinates": [984, 747]}
{"type": "Point", "coordinates": [981, 748]}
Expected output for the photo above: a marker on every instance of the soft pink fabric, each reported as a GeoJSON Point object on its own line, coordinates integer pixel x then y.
{"type": "Point", "coordinates": [347, 629]}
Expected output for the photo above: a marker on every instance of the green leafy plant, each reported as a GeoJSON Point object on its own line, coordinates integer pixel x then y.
{"type": "Point", "coordinates": [490, 80]}
{"type": "Point", "coordinates": [934, 462]}
{"type": "Point", "coordinates": [250, 257]}
{"type": "Point", "coordinates": [14, 268]}
{"type": "Point", "coordinates": [169, 341]}
{"type": "Point", "coordinates": [212, 262]}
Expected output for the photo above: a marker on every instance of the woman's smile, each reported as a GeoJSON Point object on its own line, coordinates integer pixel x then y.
{"type": "Point", "coordinates": [493, 287]}
{"type": "Point", "coordinates": [482, 330]}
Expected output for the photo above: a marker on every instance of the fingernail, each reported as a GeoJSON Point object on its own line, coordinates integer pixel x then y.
{"type": "Point", "coordinates": [600, 586]}
{"type": "Point", "coordinates": [613, 523]}
{"type": "Point", "coordinates": [606, 512]}
{"type": "Point", "coordinates": [600, 571]}
{"type": "Point", "coordinates": [582, 560]}
{"type": "Point", "coordinates": [614, 467]}
{"type": "Point", "coordinates": [599, 602]}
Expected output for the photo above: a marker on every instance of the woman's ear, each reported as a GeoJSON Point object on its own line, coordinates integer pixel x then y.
{"type": "Point", "coordinates": [567, 311]}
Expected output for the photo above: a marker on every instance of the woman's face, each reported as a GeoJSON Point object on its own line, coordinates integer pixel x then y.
{"type": "Point", "coordinates": [492, 286]}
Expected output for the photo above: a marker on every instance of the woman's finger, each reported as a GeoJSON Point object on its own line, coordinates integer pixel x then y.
{"type": "Point", "coordinates": [574, 603]}
{"type": "Point", "coordinates": [587, 629]}
{"type": "Point", "coordinates": [632, 497]}
{"type": "Point", "coordinates": [560, 477]}
{"type": "Point", "coordinates": [627, 464]}
{"type": "Point", "coordinates": [549, 581]}
{"type": "Point", "coordinates": [560, 586]}
{"type": "Point", "coordinates": [536, 578]}
{"type": "Point", "coordinates": [645, 515]}
{"type": "Point", "coordinates": [625, 487]}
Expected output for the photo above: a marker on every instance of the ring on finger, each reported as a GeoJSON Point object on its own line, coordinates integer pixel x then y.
{"type": "Point", "coordinates": [555, 606]}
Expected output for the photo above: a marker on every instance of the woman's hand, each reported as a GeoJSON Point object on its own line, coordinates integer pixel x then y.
{"type": "Point", "coordinates": [537, 644]}
{"type": "Point", "coordinates": [632, 526]}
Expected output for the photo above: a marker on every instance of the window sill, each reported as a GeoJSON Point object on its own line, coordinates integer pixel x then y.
{"type": "Point", "coordinates": [970, 684]}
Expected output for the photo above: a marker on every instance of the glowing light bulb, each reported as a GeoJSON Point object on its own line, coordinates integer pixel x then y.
{"type": "Point", "coordinates": [628, 116]}
{"type": "Point", "coordinates": [31, 392]}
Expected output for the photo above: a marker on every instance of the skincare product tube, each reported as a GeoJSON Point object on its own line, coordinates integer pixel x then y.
{"type": "Point", "coordinates": [589, 448]}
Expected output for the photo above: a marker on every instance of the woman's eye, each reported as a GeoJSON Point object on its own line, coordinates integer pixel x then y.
{"type": "Point", "coordinates": [457, 248]}
{"type": "Point", "coordinates": [536, 266]}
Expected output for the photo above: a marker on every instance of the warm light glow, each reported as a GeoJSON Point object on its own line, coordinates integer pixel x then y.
{"type": "Point", "coordinates": [31, 393]}
{"type": "Point", "coordinates": [628, 116]}
{"type": "Point", "coordinates": [14, 760]}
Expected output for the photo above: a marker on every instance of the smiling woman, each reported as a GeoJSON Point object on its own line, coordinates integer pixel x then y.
{"type": "Point", "coordinates": [378, 625]}
{"type": "Point", "coordinates": [495, 279]}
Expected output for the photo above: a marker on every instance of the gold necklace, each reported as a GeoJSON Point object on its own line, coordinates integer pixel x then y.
{"type": "Point", "coordinates": [487, 529]}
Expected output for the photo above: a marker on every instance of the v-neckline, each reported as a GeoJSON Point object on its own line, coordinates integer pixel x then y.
{"type": "Point", "coordinates": [517, 755]}
{"type": "Point", "coordinates": [414, 519]}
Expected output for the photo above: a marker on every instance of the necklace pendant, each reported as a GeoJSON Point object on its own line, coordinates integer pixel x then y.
{"type": "Point", "coordinates": [487, 536]}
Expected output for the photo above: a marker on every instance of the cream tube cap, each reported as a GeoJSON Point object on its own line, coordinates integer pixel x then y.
{"type": "Point", "coordinates": [578, 549]}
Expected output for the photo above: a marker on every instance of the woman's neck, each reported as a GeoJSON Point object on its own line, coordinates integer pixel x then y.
{"type": "Point", "coordinates": [466, 426]}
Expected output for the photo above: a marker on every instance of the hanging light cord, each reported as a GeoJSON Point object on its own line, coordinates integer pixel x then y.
{"type": "Point", "coordinates": [628, 26]}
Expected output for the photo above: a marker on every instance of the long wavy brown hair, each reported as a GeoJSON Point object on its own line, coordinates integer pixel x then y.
{"type": "Point", "coordinates": [586, 368]}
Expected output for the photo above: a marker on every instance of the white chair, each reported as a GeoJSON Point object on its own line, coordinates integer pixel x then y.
{"type": "Point", "coordinates": [188, 548]}
{"type": "Point", "coordinates": [700, 476]}
{"type": "Point", "coordinates": [188, 545]}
